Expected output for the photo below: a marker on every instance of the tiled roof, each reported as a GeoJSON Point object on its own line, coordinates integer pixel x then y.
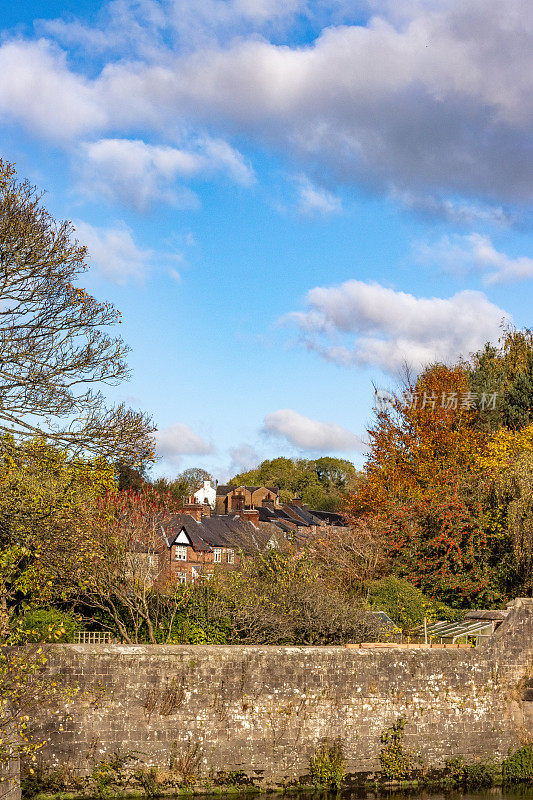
{"type": "Point", "coordinates": [225, 489]}
{"type": "Point", "coordinates": [217, 531]}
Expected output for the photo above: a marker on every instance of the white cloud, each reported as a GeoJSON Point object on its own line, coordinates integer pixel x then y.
{"type": "Point", "coordinates": [392, 328]}
{"type": "Point", "coordinates": [244, 457]}
{"type": "Point", "coordinates": [310, 434]}
{"type": "Point", "coordinates": [126, 26]}
{"type": "Point", "coordinates": [477, 252]}
{"type": "Point", "coordinates": [132, 25]}
{"type": "Point", "coordinates": [179, 440]}
{"type": "Point", "coordinates": [440, 99]}
{"type": "Point", "coordinates": [219, 155]}
{"type": "Point", "coordinates": [39, 90]}
{"type": "Point", "coordinates": [113, 252]}
{"type": "Point", "coordinates": [435, 99]}
{"type": "Point", "coordinates": [315, 199]}
{"type": "Point", "coordinates": [139, 174]}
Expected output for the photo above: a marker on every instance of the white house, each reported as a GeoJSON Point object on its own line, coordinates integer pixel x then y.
{"type": "Point", "coordinates": [206, 494]}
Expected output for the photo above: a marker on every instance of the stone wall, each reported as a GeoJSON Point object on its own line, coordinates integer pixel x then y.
{"type": "Point", "coordinates": [266, 709]}
{"type": "Point", "coordinates": [10, 780]}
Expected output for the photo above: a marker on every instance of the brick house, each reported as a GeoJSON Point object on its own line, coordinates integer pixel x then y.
{"type": "Point", "coordinates": [195, 547]}
{"type": "Point", "coordinates": [236, 498]}
{"type": "Point", "coordinates": [194, 543]}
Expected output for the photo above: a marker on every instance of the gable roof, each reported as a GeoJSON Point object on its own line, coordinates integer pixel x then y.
{"type": "Point", "coordinates": [225, 489]}
{"type": "Point", "coordinates": [222, 530]}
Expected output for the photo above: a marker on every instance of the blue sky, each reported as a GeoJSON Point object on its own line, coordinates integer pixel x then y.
{"type": "Point", "coordinates": [286, 199]}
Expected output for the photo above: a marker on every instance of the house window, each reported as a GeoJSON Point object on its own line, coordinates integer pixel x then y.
{"type": "Point", "coordinates": [182, 577]}
{"type": "Point", "coordinates": [230, 556]}
{"type": "Point", "coordinates": [217, 555]}
{"type": "Point", "coordinates": [181, 552]}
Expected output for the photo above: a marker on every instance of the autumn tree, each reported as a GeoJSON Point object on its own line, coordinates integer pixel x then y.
{"type": "Point", "coordinates": [54, 347]}
{"type": "Point", "coordinates": [127, 584]}
{"type": "Point", "coordinates": [504, 480]}
{"type": "Point", "coordinates": [421, 488]}
{"type": "Point", "coordinates": [423, 440]}
{"type": "Point", "coordinates": [504, 370]}
{"type": "Point", "coordinates": [439, 544]}
{"type": "Point", "coordinates": [43, 495]}
{"type": "Point", "coordinates": [448, 475]}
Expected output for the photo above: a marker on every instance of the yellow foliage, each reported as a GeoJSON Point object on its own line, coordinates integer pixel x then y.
{"type": "Point", "coordinates": [503, 448]}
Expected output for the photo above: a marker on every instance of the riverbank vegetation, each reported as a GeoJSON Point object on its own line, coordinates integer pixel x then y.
{"type": "Point", "coordinates": [126, 775]}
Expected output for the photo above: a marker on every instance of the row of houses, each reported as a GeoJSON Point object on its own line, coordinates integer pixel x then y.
{"type": "Point", "coordinates": [200, 540]}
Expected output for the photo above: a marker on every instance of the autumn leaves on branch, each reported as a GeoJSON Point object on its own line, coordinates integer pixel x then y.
{"type": "Point", "coordinates": [449, 484]}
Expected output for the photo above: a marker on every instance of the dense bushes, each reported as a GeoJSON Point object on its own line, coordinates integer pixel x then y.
{"type": "Point", "coordinates": [45, 625]}
{"type": "Point", "coordinates": [404, 603]}
{"type": "Point", "coordinates": [518, 767]}
{"type": "Point", "coordinates": [282, 598]}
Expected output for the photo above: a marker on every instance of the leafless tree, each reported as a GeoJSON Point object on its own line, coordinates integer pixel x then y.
{"type": "Point", "coordinates": [54, 349]}
{"type": "Point", "coordinates": [352, 556]}
{"type": "Point", "coordinates": [127, 578]}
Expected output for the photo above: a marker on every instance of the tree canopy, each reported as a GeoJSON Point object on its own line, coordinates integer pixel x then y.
{"type": "Point", "coordinates": [323, 483]}
{"type": "Point", "coordinates": [448, 477]}
{"type": "Point", "coordinates": [55, 351]}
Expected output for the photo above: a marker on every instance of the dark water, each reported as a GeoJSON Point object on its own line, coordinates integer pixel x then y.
{"type": "Point", "coordinates": [521, 792]}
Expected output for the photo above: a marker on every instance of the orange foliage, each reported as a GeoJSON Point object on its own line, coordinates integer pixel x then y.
{"type": "Point", "coordinates": [424, 441]}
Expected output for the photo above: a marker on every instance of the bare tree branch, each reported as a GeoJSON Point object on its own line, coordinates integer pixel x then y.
{"type": "Point", "coordinates": [53, 345]}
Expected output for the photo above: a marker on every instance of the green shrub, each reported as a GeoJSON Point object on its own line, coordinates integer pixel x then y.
{"type": "Point", "coordinates": [37, 778]}
{"type": "Point", "coordinates": [46, 625]}
{"type": "Point", "coordinates": [480, 775]}
{"type": "Point", "coordinates": [147, 778]}
{"type": "Point", "coordinates": [396, 763]}
{"type": "Point", "coordinates": [110, 774]}
{"type": "Point", "coordinates": [236, 777]}
{"type": "Point", "coordinates": [404, 603]}
{"type": "Point", "coordinates": [455, 770]}
{"type": "Point", "coordinates": [519, 766]}
{"type": "Point", "coordinates": [327, 767]}
{"type": "Point", "coordinates": [472, 776]}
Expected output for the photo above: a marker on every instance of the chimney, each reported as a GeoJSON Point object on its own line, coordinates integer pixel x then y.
{"type": "Point", "coordinates": [250, 515]}
{"type": "Point", "coordinates": [206, 509]}
{"type": "Point", "coordinates": [297, 501]}
{"type": "Point", "coordinates": [194, 509]}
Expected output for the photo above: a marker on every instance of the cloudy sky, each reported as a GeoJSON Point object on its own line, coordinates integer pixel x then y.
{"type": "Point", "coordinates": [287, 199]}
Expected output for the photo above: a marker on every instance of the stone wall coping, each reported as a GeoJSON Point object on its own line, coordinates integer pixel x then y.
{"type": "Point", "coordinates": [232, 650]}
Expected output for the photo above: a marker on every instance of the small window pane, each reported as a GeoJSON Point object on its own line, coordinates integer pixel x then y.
{"type": "Point", "coordinates": [181, 552]}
